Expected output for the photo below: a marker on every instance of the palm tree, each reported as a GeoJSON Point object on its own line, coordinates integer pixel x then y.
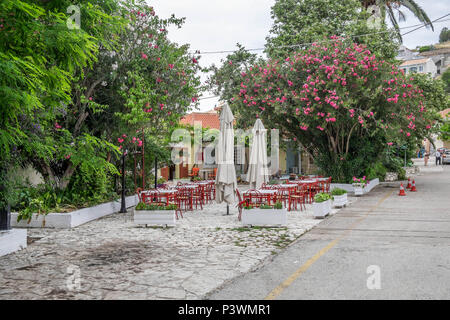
{"type": "Point", "coordinates": [390, 7]}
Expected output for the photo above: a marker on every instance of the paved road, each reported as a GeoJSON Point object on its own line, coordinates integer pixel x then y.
{"type": "Point", "coordinates": [406, 239]}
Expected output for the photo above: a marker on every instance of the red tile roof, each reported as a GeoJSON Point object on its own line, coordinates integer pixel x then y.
{"type": "Point", "coordinates": [445, 112]}
{"type": "Point", "coordinates": [209, 119]}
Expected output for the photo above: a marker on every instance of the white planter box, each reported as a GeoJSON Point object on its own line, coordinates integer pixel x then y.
{"type": "Point", "coordinates": [264, 217]}
{"type": "Point", "coordinates": [340, 201]}
{"type": "Point", "coordinates": [372, 184]}
{"type": "Point", "coordinates": [12, 240]}
{"type": "Point", "coordinates": [322, 209]}
{"type": "Point", "coordinates": [346, 186]}
{"type": "Point", "coordinates": [359, 191]}
{"type": "Point", "coordinates": [155, 217]}
{"type": "Point", "coordinates": [75, 218]}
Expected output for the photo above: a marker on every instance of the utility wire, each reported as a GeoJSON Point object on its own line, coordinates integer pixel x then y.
{"type": "Point", "coordinates": [421, 25]}
{"type": "Point", "coordinates": [448, 14]}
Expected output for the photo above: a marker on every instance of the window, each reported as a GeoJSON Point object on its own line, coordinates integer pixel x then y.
{"type": "Point", "coordinates": [413, 69]}
{"type": "Point", "coordinates": [420, 68]}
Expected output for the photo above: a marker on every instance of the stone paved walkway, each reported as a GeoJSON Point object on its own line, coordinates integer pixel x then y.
{"type": "Point", "coordinates": [111, 258]}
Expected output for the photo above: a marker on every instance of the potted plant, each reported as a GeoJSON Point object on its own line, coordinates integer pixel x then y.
{"type": "Point", "coordinates": [161, 182]}
{"type": "Point", "coordinates": [322, 204]}
{"type": "Point", "coordinates": [155, 214]}
{"type": "Point", "coordinates": [358, 185]}
{"type": "Point", "coordinates": [265, 215]}
{"type": "Point", "coordinates": [339, 197]}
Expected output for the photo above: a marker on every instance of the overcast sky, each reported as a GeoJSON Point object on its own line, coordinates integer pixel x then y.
{"type": "Point", "coordinates": [214, 25]}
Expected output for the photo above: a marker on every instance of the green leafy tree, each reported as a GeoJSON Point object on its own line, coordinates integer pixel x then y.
{"type": "Point", "coordinates": [444, 35]}
{"type": "Point", "coordinates": [139, 80]}
{"type": "Point", "coordinates": [434, 92]}
{"type": "Point", "coordinates": [445, 130]}
{"type": "Point", "coordinates": [304, 22]}
{"type": "Point", "coordinates": [446, 79]}
{"type": "Point", "coordinates": [38, 56]}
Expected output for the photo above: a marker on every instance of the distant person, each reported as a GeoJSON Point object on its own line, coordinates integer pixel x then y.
{"type": "Point", "coordinates": [425, 159]}
{"type": "Point", "coordinates": [438, 157]}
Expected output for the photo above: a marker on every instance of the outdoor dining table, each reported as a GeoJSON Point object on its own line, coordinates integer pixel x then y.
{"type": "Point", "coordinates": [190, 186]}
{"type": "Point", "coordinates": [206, 182]}
{"type": "Point", "coordinates": [164, 193]}
{"type": "Point", "coordinates": [269, 194]}
{"type": "Point", "coordinates": [304, 181]}
{"type": "Point", "coordinates": [285, 185]}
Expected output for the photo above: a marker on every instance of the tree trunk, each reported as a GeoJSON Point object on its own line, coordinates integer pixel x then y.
{"type": "Point", "coordinates": [66, 177]}
{"type": "Point", "coordinates": [55, 181]}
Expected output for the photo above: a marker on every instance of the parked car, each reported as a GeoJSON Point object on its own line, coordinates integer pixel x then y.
{"type": "Point", "coordinates": [446, 157]}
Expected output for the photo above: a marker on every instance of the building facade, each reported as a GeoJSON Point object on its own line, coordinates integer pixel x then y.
{"type": "Point", "coordinates": [290, 160]}
{"type": "Point", "coordinates": [421, 65]}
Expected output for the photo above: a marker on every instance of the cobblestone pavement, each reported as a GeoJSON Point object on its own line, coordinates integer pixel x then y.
{"type": "Point", "coordinates": [111, 258]}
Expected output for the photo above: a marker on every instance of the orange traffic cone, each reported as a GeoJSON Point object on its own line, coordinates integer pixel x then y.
{"type": "Point", "coordinates": [402, 190]}
{"type": "Point", "coordinates": [413, 188]}
{"type": "Point", "coordinates": [409, 184]}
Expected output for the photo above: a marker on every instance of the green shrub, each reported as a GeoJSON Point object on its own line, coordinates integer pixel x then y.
{"type": "Point", "coordinates": [43, 199]}
{"type": "Point", "coordinates": [322, 197]}
{"type": "Point", "coordinates": [401, 174]}
{"type": "Point", "coordinates": [378, 170]}
{"type": "Point", "coordinates": [161, 180]}
{"type": "Point", "coordinates": [154, 207]}
{"type": "Point", "coordinates": [338, 192]}
{"type": "Point", "coordinates": [277, 205]}
{"type": "Point", "coordinates": [426, 48]}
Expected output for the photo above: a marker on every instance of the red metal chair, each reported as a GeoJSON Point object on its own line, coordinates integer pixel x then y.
{"type": "Point", "coordinates": [207, 193]}
{"type": "Point", "coordinates": [240, 204]}
{"type": "Point", "coordinates": [255, 198]}
{"type": "Point", "coordinates": [184, 199]}
{"type": "Point", "coordinates": [283, 195]}
{"type": "Point", "coordinates": [297, 196]}
{"type": "Point", "coordinates": [138, 192]}
{"type": "Point", "coordinates": [197, 197]}
{"type": "Point", "coordinates": [311, 190]}
{"type": "Point", "coordinates": [213, 174]}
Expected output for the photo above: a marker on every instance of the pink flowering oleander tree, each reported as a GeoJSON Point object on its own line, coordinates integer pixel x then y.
{"type": "Point", "coordinates": [339, 101]}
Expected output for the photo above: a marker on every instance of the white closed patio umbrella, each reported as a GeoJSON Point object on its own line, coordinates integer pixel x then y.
{"type": "Point", "coordinates": [226, 183]}
{"type": "Point", "coordinates": [257, 170]}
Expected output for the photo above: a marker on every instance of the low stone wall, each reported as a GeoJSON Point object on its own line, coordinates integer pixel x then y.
{"type": "Point", "coordinates": [411, 170]}
{"type": "Point", "coordinates": [75, 218]}
{"type": "Point", "coordinates": [12, 240]}
{"type": "Point", "coordinates": [391, 176]}
{"type": "Point", "coordinates": [349, 187]}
